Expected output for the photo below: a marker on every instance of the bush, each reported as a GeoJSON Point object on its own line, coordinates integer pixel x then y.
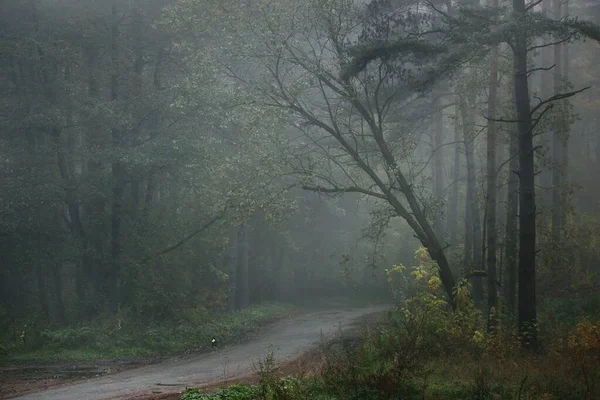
{"type": "Point", "coordinates": [387, 360]}
{"type": "Point", "coordinates": [233, 392]}
{"type": "Point", "coordinates": [124, 335]}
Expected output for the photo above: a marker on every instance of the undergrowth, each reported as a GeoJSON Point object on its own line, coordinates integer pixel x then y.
{"type": "Point", "coordinates": [120, 337]}
{"type": "Point", "coordinates": [423, 350]}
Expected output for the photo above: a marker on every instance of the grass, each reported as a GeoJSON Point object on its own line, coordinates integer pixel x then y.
{"type": "Point", "coordinates": [463, 378]}
{"type": "Point", "coordinates": [401, 361]}
{"type": "Point", "coordinates": [109, 338]}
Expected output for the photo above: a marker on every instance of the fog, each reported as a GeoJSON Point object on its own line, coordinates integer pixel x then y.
{"type": "Point", "coordinates": [173, 159]}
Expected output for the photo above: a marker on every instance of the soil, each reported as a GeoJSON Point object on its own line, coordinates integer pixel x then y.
{"type": "Point", "coordinates": [292, 341]}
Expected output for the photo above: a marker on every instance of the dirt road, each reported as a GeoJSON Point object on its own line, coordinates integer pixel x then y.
{"type": "Point", "coordinates": [287, 339]}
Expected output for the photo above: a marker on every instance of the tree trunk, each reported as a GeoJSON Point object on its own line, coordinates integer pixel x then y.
{"type": "Point", "coordinates": [501, 183]}
{"type": "Point", "coordinates": [510, 247]}
{"type": "Point", "coordinates": [597, 126]}
{"type": "Point", "coordinates": [138, 69]}
{"type": "Point", "coordinates": [545, 92]}
{"type": "Point", "coordinates": [117, 175]}
{"type": "Point", "coordinates": [438, 184]}
{"type": "Point", "coordinates": [472, 220]}
{"type": "Point", "coordinates": [452, 218]}
{"type": "Point", "coordinates": [556, 138]}
{"type": "Point", "coordinates": [232, 262]}
{"type": "Point", "coordinates": [58, 292]}
{"type": "Point", "coordinates": [243, 291]}
{"type": "Point", "coordinates": [468, 246]}
{"type": "Point", "coordinates": [65, 159]}
{"type": "Point", "coordinates": [564, 195]}
{"type": "Point", "coordinates": [42, 294]}
{"type": "Point", "coordinates": [491, 189]}
{"type": "Point", "coordinates": [527, 210]}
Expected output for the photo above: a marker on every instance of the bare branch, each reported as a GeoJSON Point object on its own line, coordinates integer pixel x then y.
{"type": "Point", "coordinates": [538, 119]}
{"type": "Point", "coordinates": [351, 189]}
{"type": "Point", "coordinates": [531, 71]}
{"type": "Point", "coordinates": [559, 96]}
{"type": "Point", "coordinates": [186, 238]}
{"type": "Point", "coordinates": [533, 4]}
{"type": "Point", "coordinates": [552, 43]}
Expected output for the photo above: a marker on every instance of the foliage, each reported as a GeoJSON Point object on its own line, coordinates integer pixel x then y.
{"type": "Point", "coordinates": [117, 337]}
{"type": "Point", "coordinates": [233, 392]}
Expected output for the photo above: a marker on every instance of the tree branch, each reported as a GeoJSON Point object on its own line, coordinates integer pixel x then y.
{"type": "Point", "coordinates": [186, 238]}
{"type": "Point", "coordinates": [531, 71]}
{"type": "Point", "coordinates": [351, 189]}
{"type": "Point", "coordinates": [532, 4]}
{"type": "Point", "coordinates": [556, 97]}
{"type": "Point", "coordinates": [538, 119]}
{"type": "Point", "coordinates": [552, 44]}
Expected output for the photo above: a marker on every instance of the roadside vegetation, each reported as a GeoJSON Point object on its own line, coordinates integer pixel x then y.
{"type": "Point", "coordinates": [421, 349]}
{"type": "Point", "coordinates": [118, 337]}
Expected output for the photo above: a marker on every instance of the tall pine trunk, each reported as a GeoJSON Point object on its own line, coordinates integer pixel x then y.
{"type": "Point", "coordinates": [527, 210]}
{"type": "Point", "coordinates": [545, 92]}
{"type": "Point", "coordinates": [232, 261]}
{"type": "Point", "coordinates": [564, 195]}
{"type": "Point", "coordinates": [452, 217]}
{"type": "Point", "coordinates": [114, 276]}
{"type": "Point", "coordinates": [511, 240]}
{"type": "Point", "coordinates": [243, 289]}
{"type": "Point", "coordinates": [556, 138]}
{"type": "Point", "coordinates": [42, 293]}
{"type": "Point", "coordinates": [438, 184]}
{"type": "Point", "coordinates": [473, 244]}
{"type": "Point", "coordinates": [491, 188]}
{"type": "Point", "coordinates": [58, 292]}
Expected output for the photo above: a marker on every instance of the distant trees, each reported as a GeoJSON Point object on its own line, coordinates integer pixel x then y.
{"type": "Point", "coordinates": [177, 152]}
{"type": "Point", "coordinates": [124, 172]}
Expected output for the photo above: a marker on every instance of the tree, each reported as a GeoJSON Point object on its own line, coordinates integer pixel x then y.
{"type": "Point", "coordinates": [346, 122]}
{"type": "Point", "coordinates": [491, 187]}
{"type": "Point", "coordinates": [517, 30]}
{"type": "Point", "coordinates": [473, 250]}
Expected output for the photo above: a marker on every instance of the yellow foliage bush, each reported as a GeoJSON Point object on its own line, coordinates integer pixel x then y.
{"type": "Point", "coordinates": [583, 344]}
{"type": "Point", "coordinates": [428, 312]}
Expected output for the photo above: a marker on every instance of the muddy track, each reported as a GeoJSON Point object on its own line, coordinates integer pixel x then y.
{"type": "Point", "coordinates": [287, 339]}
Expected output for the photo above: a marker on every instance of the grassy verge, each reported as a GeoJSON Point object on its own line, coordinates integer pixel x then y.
{"type": "Point", "coordinates": [423, 351]}
{"type": "Point", "coordinates": [358, 373]}
{"type": "Point", "coordinates": [109, 338]}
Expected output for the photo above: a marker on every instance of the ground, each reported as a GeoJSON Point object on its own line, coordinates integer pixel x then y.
{"type": "Point", "coordinates": [290, 340]}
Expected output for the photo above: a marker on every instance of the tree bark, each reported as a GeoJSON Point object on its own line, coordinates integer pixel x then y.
{"type": "Point", "coordinates": [232, 260]}
{"type": "Point", "coordinates": [546, 92]}
{"type": "Point", "coordinates": [556, 138]}
{"type": "Point", "coordinates": [564, 195]}
{"type": "Point", "coordinates": [472, 220]}
{"type": "Point", "coordinates": [510, 240]}
{"type": "Point", "coordinates": [491, 188]}
{"type": "Point", "coordinates": [138, 69]}
{"type": "Point", "coordinates": [58, 292]}
{"type": "Point", "coordinates": [42, 294]}
{"type": "Point", "coordinates": [452, 218]}
{"type": "Point", "coordinates": [437, 170]}
{"type": "Point", "coordinates": [117, 174]}
{"type": "Point", "coordinates": [243, 291]}
{"type": "Point", "coordinates": [527, 209]}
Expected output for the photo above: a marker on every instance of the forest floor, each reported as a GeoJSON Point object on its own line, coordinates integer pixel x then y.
{"type": "Point", "coordinates": [289, 339]}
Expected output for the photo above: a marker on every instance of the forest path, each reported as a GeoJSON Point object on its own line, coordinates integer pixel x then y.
{"type": "Point", "coordinates": [287, 339]}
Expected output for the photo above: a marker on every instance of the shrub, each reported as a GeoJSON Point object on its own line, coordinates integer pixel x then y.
{"type": "Point", "coordinates": [233, 392]}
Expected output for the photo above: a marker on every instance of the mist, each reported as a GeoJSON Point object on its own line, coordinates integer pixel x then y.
{"type": "Point", "coordinates": [177, 174]}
